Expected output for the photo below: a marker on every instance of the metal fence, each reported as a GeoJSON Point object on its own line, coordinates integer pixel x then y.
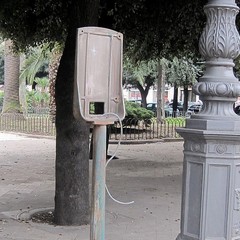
{"type": "Point", "coordinates": [32, 124]}
{"type": "Point", "coordinates": [133, 129]}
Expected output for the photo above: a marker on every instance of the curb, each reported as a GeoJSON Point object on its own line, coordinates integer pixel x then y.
{"type": "Point", "coordinates": [146, 141]}
{"type": "Point", "coordinates": [125, 142]}
{"type": "Point", "coordinates": [173, 139]}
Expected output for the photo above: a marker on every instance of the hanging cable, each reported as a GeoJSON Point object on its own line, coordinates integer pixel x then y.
{"type": "Point", "coordinates": [111, 158]}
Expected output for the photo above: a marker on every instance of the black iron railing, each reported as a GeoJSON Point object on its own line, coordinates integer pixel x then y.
{"type": "Point", "coordinates": [32, 124]}
{"type": "Point", "coordinates": [133, 129]}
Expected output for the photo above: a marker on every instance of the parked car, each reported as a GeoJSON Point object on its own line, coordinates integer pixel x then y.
{"type": "Point", "coordinates": [237, 110]}
{"type": "Point", "coordinates": [194, 108]}
{"type": "Point", "coordinates": [179, 106]}
{"type": "Point", "coordinates": [236, 107]}
{"type": "Point", "coordinates": [168, 110]}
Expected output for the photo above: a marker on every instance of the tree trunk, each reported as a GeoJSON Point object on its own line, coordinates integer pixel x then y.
{"type": "Point", "coordinates": [185, 101]}
{"type": "Point", "coordinates": [175, 101]}
{"type": "Point", "coordinates": [11, 102]}
{"type": "Point", "coordinates": [160, 94]}
{"type": "Point", "coordinates": [22, 90]}
{"type": "Point", "coordinates": [72, 139]}
{"type": "Point", "coordinates": [144, 93]}
{"type": "Point", "coordinates": [144, 99]}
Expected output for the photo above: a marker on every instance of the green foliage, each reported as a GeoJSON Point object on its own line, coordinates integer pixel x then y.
{"type": "Point", "coordinates": [140, 75]}
{"type": "Point", "coordinates": [36, 60]}
{"type": "Point", "coordinates": [151, 28]}
{"type": "Point", "coordinates": [42, 83]}
{"type": "Point", "coordinates": [1, 98]}
{"type": "Point", "coordinates": [175, 121]}
{"type": "Point", "coordinates": [180, 71]}
{"type": "Point", "coordinates": [134, 111]}
{"type": "Point", "coordinates": [36, 99]}
{"type": "Point", "coordinates": [40, 97]}
{"type": "Point", "coordinates": [186, 25]}
{"type": "Point", "coordinates": [32, 23]}
{"type": "Point", "coordinates": [160, 28]}
{"type": "Point", "coordinates": [139, 72]}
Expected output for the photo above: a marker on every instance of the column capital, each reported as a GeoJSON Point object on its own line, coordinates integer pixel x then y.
{"type": "Point", "coordinates": [220, 38]}
{"type": "Point", "coordinates": [219, 45]}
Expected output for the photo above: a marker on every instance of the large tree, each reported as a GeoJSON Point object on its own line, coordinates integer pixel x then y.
{"type": "Point", "coordinates": [150, 28]}
{"type": "Point", "coordinates": [72, 187]}
{"type": "Point", "coordinates": [181, 72]}
{"type": "Point", "coordinates": [30, 23]}
{"type": "Point", "coordinates": [140, 75]}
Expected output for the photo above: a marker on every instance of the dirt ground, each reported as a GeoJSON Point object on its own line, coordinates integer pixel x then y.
{"type": "Point", "coordinates": [148, 174]}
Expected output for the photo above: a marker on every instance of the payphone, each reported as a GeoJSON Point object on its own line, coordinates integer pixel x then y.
{"type": "Point", "coordinates": [98, 75]}
{"type": "Point", "coordinates": [98, 99]}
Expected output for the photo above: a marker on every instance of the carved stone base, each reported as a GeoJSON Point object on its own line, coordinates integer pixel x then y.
{"type": "Point", "coordinates": [210, 124]}
{"type": "Point", "coordinates": [211, 185]}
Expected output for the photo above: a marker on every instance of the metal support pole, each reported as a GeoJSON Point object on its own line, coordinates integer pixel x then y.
{"type": "Point", "coordinates": [97, 228]}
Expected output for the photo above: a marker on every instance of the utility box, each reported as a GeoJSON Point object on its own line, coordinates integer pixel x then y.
{"type": "Point", "coordinates": [98, 96]}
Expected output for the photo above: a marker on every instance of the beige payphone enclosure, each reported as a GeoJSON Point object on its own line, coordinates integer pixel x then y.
{"type": "Point", "coordinates": [98, 75]}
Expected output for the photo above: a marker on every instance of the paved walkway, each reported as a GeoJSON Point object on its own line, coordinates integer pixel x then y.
{"type": "Point", "coordinates": [149, 174]}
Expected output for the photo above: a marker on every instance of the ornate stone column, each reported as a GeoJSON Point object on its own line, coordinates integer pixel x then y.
{"type": "Point", "coordinates": [211, 174]}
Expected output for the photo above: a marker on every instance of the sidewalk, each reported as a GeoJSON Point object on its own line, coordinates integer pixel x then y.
{"type": "Point", "coordinates": [149, 174]}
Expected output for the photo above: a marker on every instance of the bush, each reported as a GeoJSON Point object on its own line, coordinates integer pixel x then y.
{"type": "Point", "coordinates": [37, 99]}
{"type": "Point", "coordinates": [175, 121]}
{"type": "Point", "coordinates": [1, 98]}
{"type": "Point", "coordinates": [135, 111]}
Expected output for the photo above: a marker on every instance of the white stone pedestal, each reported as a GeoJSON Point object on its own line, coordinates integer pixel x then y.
{"type": "Point", "coordinates": [211, 174]}
{"type": "Point", "coordinates": [211, 187]}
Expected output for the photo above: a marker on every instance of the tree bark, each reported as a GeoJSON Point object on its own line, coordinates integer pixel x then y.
{"type": "Point", "coordinates": [72, 139]}
{"type": "Point", "coordinates": [160, 94]}
{"type": "Point", "coordinates": [175, 101]}
{"type": "Point", "coordinates": [53, 69]}
{"type": "Point", "coordinates": [144, 93]}
{"type": "Point", "coordinates": [185, 101]}
{"type": "Point", "coordinates": [11, 102]}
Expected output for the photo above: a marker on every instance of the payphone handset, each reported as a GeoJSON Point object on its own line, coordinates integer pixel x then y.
{"type": "Point", "coordinates": [98, 96]}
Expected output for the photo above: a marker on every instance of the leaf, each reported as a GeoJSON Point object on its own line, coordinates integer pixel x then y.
{"type": "Point", "coordinates": [33, 62]}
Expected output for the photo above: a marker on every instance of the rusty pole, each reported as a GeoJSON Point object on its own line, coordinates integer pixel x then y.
{"type": "Point", "coordinates": [97, 228]}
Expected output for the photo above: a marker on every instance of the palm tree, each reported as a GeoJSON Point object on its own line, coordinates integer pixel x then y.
{"type": "Point", "coordinates": [35, 60]}
{"type": "Point", "coordinates": [11, 102]}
